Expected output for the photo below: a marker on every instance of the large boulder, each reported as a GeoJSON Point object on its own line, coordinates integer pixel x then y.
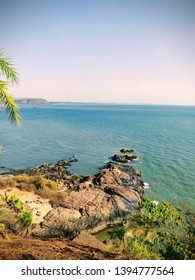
{"type": "Point", "coordinates": [120, 158]}
{"type": "Point", "coordinates": [124, 158]}
{"type": "Point", "coordinates": [89, 240]}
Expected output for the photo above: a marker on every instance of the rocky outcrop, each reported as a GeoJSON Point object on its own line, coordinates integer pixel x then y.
{"type": "Point", "coordinates": [56, 172]}
{"type": "Point", "coordinates": [87, 239]}
{"type": "Point", "coordinates": [90, 202]}
{"type": "Point", "coordinates": [120, 158]}
{"type": "Point", "coordinates": [126, 150]}
{"type": "Point", "coordinates": [104, 198]}
{"type": "Point", "coordinates": [124, 158]}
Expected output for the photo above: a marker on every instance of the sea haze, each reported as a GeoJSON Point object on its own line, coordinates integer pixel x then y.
{"type": "Point", "coordinates": [163, 138]}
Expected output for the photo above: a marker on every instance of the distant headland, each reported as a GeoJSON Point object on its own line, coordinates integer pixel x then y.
{"type": "Point", "coordinates": [31, 101]}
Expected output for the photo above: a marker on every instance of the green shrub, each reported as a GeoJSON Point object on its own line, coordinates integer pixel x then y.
{"type": "Point", "coordinates": [117, 233]}
{"type": "Point", "coordinates": [152, 214]}
{"type": "Point", "coordinates": [25, 219]}
{"type": "Point", "coordinates": [13, 201]}
{"type": "Point", "coordinates": [139, 249]}
{"type": "Point", "coordinates": [166, 232]}
{"type": "Point", "coordinates": [24, 216]}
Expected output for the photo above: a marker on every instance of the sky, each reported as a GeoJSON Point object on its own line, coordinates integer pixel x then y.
{"type": "Point", "coordinates": [112, 51]}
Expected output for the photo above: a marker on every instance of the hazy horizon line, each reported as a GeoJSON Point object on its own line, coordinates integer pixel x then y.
{"type": "Point", "coordinates": [106, 103]}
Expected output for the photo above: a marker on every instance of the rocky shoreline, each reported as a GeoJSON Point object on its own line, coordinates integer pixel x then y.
{"type": "Point", "coordinates": [91, 202]}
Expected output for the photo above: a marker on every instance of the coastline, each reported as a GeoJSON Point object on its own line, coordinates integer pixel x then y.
{"type": "Point", "coordinates": [92, 215]}
{"type": "Point", "coordinates": [81, 196]}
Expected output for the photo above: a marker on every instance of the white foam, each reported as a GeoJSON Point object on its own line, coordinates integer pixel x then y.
{"type": "Point", "coordinates": [1, 149]}
{"type": "Point", "coordinates": [136, 159]}
{"type": "Point", "coordinates": [146, 185]}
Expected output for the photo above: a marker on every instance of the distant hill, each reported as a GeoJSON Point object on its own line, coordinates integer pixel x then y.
{"type": "Point", "coordinates": [31, 101]}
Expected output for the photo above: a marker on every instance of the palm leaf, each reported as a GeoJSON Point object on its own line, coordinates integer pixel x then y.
{"type": "Point", "coordinates": [12, 109]}
{"type": "Point", "coordinates": [7, 69]}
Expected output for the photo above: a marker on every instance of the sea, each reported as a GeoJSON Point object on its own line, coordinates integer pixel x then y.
{"type": "Point", "coordinates": [163, 138]}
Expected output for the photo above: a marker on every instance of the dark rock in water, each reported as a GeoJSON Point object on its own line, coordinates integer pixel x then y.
{"type": "Point", "coordinates": [100, 199]}
{"type": "Point", "coordinates": [130, 157]}
{"type": "Point", "coordinates": [124, 158]}
{"type": "Point", "coordinates": [120, 158]}
{"type": "Point", "coordinates": [126, 150]}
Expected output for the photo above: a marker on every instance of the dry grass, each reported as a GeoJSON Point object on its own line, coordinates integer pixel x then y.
{"type": "Point", "coordinates": [27, 183]}
{"type": "Point", "coordinates": [46, 189]}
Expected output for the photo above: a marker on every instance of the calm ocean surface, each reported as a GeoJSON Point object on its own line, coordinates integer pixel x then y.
{"type": "Point", "coordinates": [163, 138]}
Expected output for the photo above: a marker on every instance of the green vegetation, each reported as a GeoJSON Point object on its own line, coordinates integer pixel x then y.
{"type": "Point", "coordinates": [7, 70]}
{"type": "Point", "coordinates": [24, 216]}
{"type": "Point", "coordinates": [155, 232]}
{"type": "Point", "coordinates": [159, 232]}
{"type": "Point", "coordinates": [137, 248]}
{"type": "Point", "coordinates": [25, 219]}
{"type": "Point", "coordinates": [13, 215]}
{"type": "Point", "coordinates": [116, 232]}
{"type": "Point", "coordinates": [14, 202]}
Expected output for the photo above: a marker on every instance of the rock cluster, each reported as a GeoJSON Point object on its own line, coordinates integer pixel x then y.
{"type": "Point", "coordinates": [93, 201]}
{"type": "Point", "coordinates": [99, 199]}
{"type": "Point", "coordinates": [126, 155]}
{"type": "Point", "coordinates": [124, 158]}
{"type": "Point", "coordinates": [56, 172]}
{"type": "Point", "coordinates": [126, 150]}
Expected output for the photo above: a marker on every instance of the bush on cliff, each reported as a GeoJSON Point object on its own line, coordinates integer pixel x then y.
{"type": "Point", "coordinates": [14, 216]}
{"type": "Point", "coordinates": [24, 215]}
{"type": "Point", "coordinates": [159, 232]}
{"type": "Point", "coordinates": [25, 219]}
{"type": "Point", "coordinates": [14, 202]}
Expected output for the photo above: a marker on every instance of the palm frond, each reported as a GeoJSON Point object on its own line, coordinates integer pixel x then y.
{"type": "Point", "coordinates": [11, 108]}
{"type": "Point", "coordinates": [7, 69]}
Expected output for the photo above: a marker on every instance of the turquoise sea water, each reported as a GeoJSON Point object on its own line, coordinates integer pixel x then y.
{"type": "Point", "coordinates": [163, 137]}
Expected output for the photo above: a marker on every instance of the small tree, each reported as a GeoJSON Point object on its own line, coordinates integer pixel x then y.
{"type": "Point", "coordinates": [11, 78]}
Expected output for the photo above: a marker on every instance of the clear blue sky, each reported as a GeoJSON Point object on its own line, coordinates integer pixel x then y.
{"type": "Point", "coordinates": [125, 51]}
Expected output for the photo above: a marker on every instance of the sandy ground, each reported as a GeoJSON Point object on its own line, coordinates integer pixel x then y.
{"type": "Point", "coordinates": [38, 206]}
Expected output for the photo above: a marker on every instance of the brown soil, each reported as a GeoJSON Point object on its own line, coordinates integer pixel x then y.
{"type": "Point", "coordinates": [20, 248]}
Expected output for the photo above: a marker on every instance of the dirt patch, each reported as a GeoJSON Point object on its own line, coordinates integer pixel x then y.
{"type": "Point", "coordinates": [19, 248]}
